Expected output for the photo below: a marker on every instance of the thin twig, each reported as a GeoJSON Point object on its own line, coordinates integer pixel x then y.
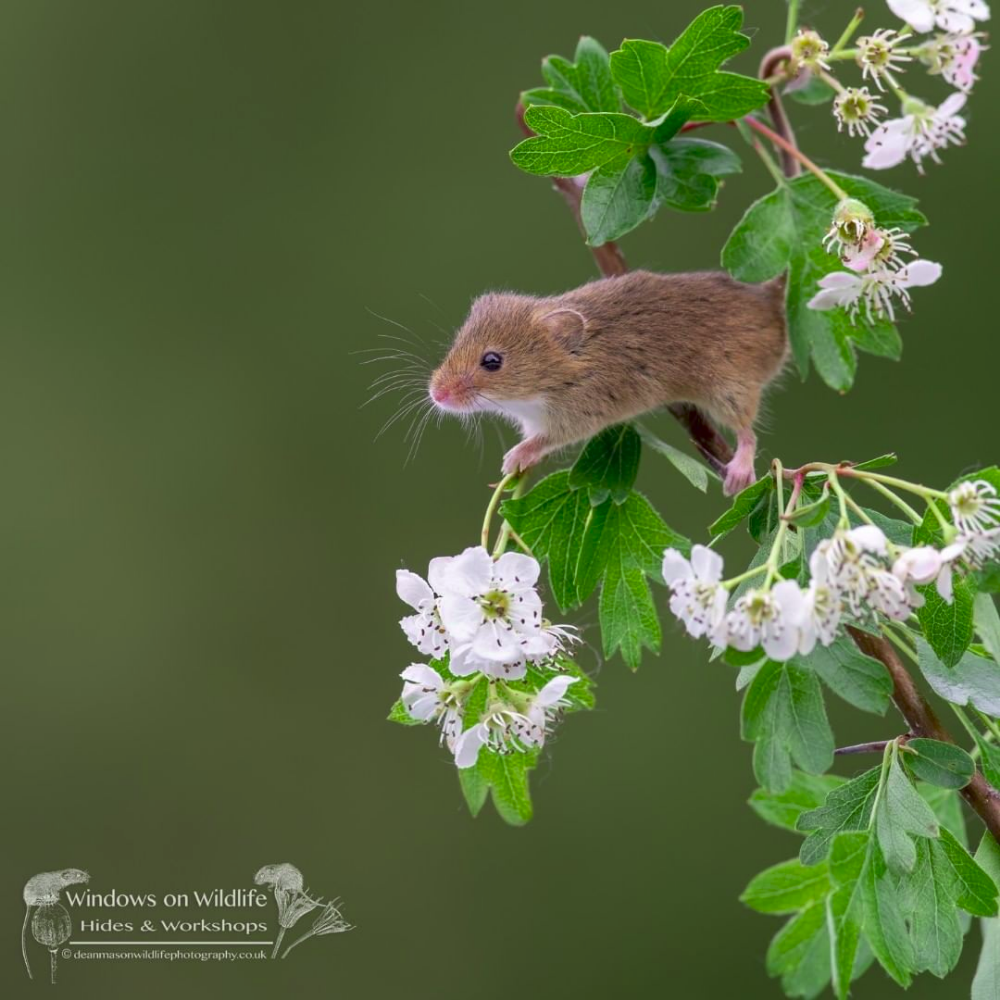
{"type": "Point", "coordinates": [877, 746]}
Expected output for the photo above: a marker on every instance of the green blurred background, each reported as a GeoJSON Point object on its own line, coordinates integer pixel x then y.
{"type": "Point", "coordinates": [204, 203]}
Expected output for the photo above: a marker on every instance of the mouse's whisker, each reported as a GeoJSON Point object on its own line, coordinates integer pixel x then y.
{"type": "Point", "coordinates": [397, 356]}
{"type": "Point", "coordinates": [409, 394]}
{"type": "Point", "coordinates": [418, 436]}
{"type": "Point", "coordinates": [392, 322]}
{"type": "Point", "coordinates": [400, 375]}
{"type": "Point", "coordinates": [402, 412]}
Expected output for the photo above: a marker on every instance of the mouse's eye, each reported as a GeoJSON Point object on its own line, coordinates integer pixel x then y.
{"type": "Point", "coordinates": [491, 361]}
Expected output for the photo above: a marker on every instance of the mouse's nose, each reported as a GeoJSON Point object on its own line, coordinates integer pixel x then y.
{"type": "Point", "coordinates": [438, 394]}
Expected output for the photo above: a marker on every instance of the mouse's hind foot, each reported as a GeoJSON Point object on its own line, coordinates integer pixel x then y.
{"type": "Point", "coordinates": [740, 472]}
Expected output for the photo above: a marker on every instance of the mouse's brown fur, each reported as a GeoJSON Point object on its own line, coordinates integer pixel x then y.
{"type": "Point", "coordinates": [572, 364]}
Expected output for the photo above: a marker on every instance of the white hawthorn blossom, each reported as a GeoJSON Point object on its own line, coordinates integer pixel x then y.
{"type": "Point", "coordinates": [697, 597]}
{"type": "Point", "coordinates": [491, 609]}
{"type": "Point", "coordinates": [975, 506]}
{"type": "Point", "coordinates": [880, 248]}
{"type": "Point", "coordinates": [857, 572]}
{"type": "Point", "coordinates": [949, 15]}
{"type": "Point", "coordinates": [427, 698]}
{"type": "Point", "coordinates": [424, 629]}
{"type": "Point", "coordinates": [486, 614]}
{"type": "Point", "coordinates": [821, 618]}
{"type": "Point", "coordinates": [856, 109]}
{"type": "Point", "coordinates": [953, 57]}
{"type": "Point", "coordinates": [919, 134]}
{"type": "Point", "coordinates": [509, 728]}
{"type": "Point", "coordinates": [980, 546]}
{"type": "Point", "coordinates": [809, 50]}
{"type": "Point", "coordinates": [769, 618]}
{"type": "Point", "coordinates": [925, 564]}
{"type": "Point", "coordinates": [879, 57]}
{"type": "Point", "coordinates": [873, 290]}
{"type": "Point", "coordinates": [851, 223]}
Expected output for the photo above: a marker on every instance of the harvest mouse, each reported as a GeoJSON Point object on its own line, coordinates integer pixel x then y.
{"type": "Point", "coordinates": [565, 367]}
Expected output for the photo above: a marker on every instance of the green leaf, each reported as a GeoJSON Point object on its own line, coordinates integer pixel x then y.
{"type": "Point", "coordinates": [947, 806]}
{"type": "Point", "coordinates": [784, 231]}
{"type": "Point", "coordinates": [616, 545]}
{"type": "Point", "coordinates": [475, 786]}
{"type": "Point", "coordinates": [692, 470]}
{"type": "Point", "coordinates": [860, 680]}
{"type": "Point", "coordinates": [552, 520]}
{"type": "Point", "coordinates": [652, 76]}
{"type": "Point", "coordinates": [935, 926]}
{"type": "Point", "coordinates": [566, 145]}
{"type": "Point", "coordinates": [399, 714]}
{"type": "Point", "coordinates": [845, 906]}
{"type": "Point", "coordinates": [688, 172]}
{"type": "Point", "coordinates": [783, 713]}
{"type": "Point", "coordinates": [586, 85]}
{"type": "Point", "coordinates": [986, 984]}
{"type": "Point", "coordinates": [901, 815]}
{"type": "Point", "coordinates": [987, 622]}
{"type": "Point", "coordinates": [973, 887]}
{"type": "Point", "coordinates": [787, 888]}
{"type": "Point", "coordinates": [624, 544]}
{"type": "Point", "coordinates": [608, 465]}
{"type": "Point", "coordinates": [973, 680]}
{"type": "Point", "coordinates": [628, 618]}
{"type": "Point", "coordinates": [848, 807]}
{"type": "Point", "coordinates": [617, 198]}
{"type": "Point", "coordinates": [898, 532]}
{"type": "Point", "coordinates": [942, 764]}
{"type": "Point", "coordinates": [743, 503]}
{"type": "Point", "coordinates": [990, 760]}
{"type": "Point", "coordinates": [800, 953]}
{"type": "Point", "coordinates": [806, 792]}
{"type": "Point", "coordinates": [815, 91]}
{"type": "Point", "coordinates": [889, 458]}
{"type": "Point", "coordinates": [507, 775]}
{"type": "Point", "coordinates": [884, 924]}
{"type": "Point", "coordinates": [947, 627]}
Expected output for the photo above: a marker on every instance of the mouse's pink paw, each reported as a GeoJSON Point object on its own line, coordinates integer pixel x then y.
{"type": "Point", "coordinates": [739, 475]}
{"type": "Point", "coordinates": [523, 456]}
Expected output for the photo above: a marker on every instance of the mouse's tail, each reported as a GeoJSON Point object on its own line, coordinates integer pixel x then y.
{"type": "Point", "coordinates": [24, 940]}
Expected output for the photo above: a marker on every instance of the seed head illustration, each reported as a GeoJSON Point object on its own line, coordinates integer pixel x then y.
{"type": "Point", "coordinates": [51, 927]}
{"type": "Point", "coordinates": [294, 902]}
{"type": "Point", "coordinates": [42, 891]}
{"type": "Point", "coordinates": [329, 921]}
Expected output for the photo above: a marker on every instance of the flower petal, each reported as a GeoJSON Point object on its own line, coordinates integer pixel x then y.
{"type": "Point", "coordinates": [554, 690]}
{"type": "Point", "coordinates": [870, 538]}
{"type": "Point", "coordinates": [420, 673]}
{"type": "Point", "coordinates": [707, 564]}
{"type": "Point", "coordinates": [412, 589]}
{"type": "Point", "coordinates": [461, 616]}
{"type": "Point", "coordinates": [436, 572]}
{"type": "Point", "coordinates": [918, 273]}
{"type": "Point", "coordinates": [514, 571]}
{"type": "Point", "coordinates": [918, 14]}
{"type": "Point", "coordinates": [467, 746]}
{"type": "Point", "coordinates": [469, 574]}
{"type": "Point", "coordinates": [497, 642]}
{"type": "Point", "coordinates": [675, 567]}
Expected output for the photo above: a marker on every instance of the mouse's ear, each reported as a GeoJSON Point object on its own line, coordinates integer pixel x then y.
{"type": "Point", "coordinates": [566, 327]}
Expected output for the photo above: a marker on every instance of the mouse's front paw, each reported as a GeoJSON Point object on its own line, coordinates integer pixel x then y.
{"type": "Point", "coordinates": [523, 456]}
